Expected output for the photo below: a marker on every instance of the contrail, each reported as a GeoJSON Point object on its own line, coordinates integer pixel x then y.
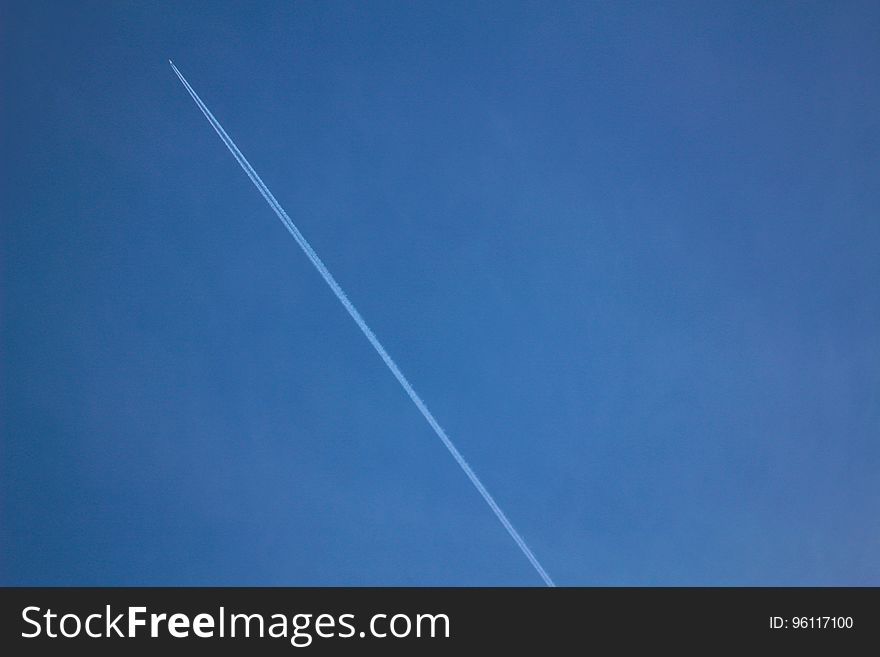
{"type": "Point", "coordinates": [356, 316]}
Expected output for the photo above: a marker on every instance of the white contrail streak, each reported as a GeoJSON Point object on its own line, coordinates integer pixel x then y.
{"type": "Point", "coordinates": [356, 316]}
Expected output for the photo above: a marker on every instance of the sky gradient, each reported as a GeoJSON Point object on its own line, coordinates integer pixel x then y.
{"type": "Point", "coordinates": [628, 254]}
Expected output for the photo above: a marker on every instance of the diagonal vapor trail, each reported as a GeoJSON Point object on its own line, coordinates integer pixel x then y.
{"type": "Point", "coordinates": [356, 316]}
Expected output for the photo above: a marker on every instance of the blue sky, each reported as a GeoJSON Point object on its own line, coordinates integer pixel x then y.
{"type": "Point", "coordinates": [628, 253]}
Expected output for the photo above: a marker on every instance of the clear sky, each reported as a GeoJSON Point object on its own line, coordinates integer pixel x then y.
{"type": "Point", "coordinates": [628, 253]}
